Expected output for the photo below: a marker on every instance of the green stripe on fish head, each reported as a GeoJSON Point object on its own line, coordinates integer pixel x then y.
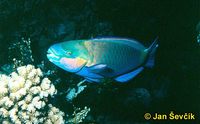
{"type": "Point", "coordinates": [70, 56]}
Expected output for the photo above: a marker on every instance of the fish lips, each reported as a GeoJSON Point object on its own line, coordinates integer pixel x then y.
{"type": "Point", "coordinates": [52, 56]}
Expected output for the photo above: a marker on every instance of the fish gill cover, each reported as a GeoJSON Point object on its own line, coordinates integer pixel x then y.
{"type": "Point", "coordinates": [30, 84]}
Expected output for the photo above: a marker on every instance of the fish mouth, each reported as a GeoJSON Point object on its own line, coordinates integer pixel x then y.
{"type": "Point", "coordinates": [52, 56]}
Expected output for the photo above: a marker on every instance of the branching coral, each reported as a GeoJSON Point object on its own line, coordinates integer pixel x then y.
{"type": "Point", "coordinates": [72, 93]}
{"type": "Point", "coordinates": [24, 94]}
{"type": "Point", "coordinates": [24, 98]}
{"type": "Point", "coordinates": [20, 52]}
{"type": "Point", "coordinates": [78, 117]}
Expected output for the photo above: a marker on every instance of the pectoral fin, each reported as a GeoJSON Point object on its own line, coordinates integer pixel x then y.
{"type": "Point", "coordinates": [129, 76]}
{"type": "Point", "coordinates": [101, 69]}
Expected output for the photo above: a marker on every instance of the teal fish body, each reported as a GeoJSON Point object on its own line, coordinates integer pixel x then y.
{"type": "Point", "coordinates": [96, 59]}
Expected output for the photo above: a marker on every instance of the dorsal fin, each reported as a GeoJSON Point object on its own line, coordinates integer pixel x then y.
{"type": "Point", "coordinates": [130, 42]}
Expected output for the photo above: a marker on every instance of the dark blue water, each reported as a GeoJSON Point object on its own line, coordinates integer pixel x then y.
{"type": "Point", "coordinates": [172, 85]}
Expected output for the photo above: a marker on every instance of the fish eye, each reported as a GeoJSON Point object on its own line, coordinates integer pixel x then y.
{"type": "Point", "coordinates": [69, 53]}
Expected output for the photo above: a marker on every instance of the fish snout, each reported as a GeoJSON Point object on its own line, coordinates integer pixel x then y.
{"type": "Point", "coordinates": [49, 51]}
{"type": "Point", "coordinates": [52, 56]}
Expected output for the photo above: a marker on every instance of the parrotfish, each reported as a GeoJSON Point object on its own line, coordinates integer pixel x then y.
{"type": "Point", "coordinates": [100, 58]}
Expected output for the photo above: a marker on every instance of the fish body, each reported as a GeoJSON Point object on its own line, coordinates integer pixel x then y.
{"type": "Point", "coordinates": [99, 58]}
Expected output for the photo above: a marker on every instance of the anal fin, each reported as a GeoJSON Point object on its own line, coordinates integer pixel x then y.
{"type": "Point", "coordinates": [91, 80]}
{"type": "Point", "coordinates": [128, 76]}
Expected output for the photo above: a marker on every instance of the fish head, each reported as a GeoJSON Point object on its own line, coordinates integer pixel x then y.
{"type": "Point", "coordinates": [70, 56]}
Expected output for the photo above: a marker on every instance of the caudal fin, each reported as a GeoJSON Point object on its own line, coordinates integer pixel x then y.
{"type": "Point", "coordinates": [151, 53]}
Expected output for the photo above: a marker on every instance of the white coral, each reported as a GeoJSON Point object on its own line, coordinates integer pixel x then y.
{"type": "Point", "coordinates": [55, 116]}
{"type": "Point", "coordinates": [23, 96]}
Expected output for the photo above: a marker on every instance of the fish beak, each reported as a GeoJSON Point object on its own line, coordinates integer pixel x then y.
{"type": "Point", "coordinates": [52, 56]}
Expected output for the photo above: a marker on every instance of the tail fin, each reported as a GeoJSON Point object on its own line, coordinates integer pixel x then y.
{"type": "Point", "coordinates": [151, 53]}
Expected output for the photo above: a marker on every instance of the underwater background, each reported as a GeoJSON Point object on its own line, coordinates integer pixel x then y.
{"type": "Point", "coordinates": [172, 85]}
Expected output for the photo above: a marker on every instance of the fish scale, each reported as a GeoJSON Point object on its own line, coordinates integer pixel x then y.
{"type": "Point", "coordinates": [95, 59]}
{"type": "Point", "coordinates": [114, 55]}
